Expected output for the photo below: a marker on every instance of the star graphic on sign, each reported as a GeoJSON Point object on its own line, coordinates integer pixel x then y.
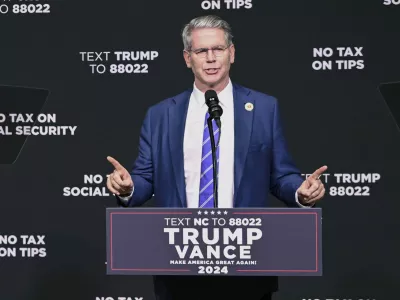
{"type": "Point", "coordinates": [212, 212]}
{"type": "Point", "coordinates": [225, 212]}
{"type": "Point", "coordinates": [199, 212]}
{"type": "Point", "coordinates": [206, 212]}
{"type": "Point", "coordinates": [219, 212]}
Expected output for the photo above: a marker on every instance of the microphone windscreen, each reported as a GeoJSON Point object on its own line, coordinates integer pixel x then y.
{"type": "Point", "coordinates": [210, 94]}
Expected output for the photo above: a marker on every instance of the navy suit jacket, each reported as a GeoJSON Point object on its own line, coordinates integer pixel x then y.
{"type": "Point", "coordinates": [262, 163]}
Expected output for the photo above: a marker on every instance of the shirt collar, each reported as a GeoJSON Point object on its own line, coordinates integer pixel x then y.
{"type": "Point", "coordinates": [222, 96]}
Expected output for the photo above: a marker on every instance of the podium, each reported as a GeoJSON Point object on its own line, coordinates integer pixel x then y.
{"type": "Point", "coordinates": [214, 242]}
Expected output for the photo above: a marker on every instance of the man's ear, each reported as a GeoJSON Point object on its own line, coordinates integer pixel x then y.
{"type": "Point", "coordinates": [186, 56]}
{"type": "Point", "coordinates": [232, 53]}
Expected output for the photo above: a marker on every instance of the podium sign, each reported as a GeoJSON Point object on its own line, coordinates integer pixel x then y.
{"type": "Point", "coordinates": [223, 242]}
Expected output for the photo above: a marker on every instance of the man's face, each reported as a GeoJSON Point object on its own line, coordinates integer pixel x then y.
{"type": "Point", "coordinates": [210, 68]}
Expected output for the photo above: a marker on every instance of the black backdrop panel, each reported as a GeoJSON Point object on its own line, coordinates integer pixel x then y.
{"type": "Point", "coordinates": [323, 60]}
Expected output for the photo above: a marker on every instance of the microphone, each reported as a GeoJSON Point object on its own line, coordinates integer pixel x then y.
{"type": "Point", "coordinates": [215, 111]}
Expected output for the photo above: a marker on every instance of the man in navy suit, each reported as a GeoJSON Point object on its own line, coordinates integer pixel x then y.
{"type": "Point", "coordinates": [253, 159]}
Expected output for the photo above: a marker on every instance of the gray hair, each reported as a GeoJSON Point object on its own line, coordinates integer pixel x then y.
{"type": "Point", "coordinates": [209, 21]}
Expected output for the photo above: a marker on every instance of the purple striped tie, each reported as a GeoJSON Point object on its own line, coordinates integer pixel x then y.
{"type": "Point", "coordinates": [206, 196]}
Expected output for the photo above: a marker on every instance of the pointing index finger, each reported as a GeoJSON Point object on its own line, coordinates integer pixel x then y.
{"type": "Point", "coordinates": [318, 172]}
{"type": "Point", "coordinates": [115, 163]}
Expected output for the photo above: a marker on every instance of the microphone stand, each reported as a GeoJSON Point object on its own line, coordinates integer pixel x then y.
{"type": "Point", "coordinates": [214, 159]}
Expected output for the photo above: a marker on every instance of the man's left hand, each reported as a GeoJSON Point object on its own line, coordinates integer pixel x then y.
{"type": "Point", "coordinates": [312, 189]}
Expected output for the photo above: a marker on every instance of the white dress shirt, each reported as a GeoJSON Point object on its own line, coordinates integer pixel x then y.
{"type": "Point", "coordinates": [192, 148]}
{"type": "Point", "coordinates": [193, 143]}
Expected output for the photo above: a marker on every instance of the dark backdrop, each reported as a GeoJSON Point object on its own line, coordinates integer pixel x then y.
{"type": "Point", "coordinates": [336, 117]}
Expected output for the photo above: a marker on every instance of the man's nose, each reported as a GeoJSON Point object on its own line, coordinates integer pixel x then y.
{"type": "Point", "coordinates": [210, 56]}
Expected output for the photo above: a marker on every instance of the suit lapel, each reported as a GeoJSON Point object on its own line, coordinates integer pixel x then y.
{"type": "Point", "coordinates": [243, 120]}
{"type": "Point", "coordinates": [176, 123]}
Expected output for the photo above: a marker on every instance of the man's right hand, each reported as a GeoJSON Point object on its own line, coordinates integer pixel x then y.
{"type": "Point", "coordinates": [120, 181]}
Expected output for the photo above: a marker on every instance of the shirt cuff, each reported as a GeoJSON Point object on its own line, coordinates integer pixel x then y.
{"type": "Point", "coordinates": [126, 198]}
{"type": "Point", "coordinates": [301, 205]}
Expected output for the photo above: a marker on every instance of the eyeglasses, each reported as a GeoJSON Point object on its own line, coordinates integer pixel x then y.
{"type": "Point", "coordinates": [217, 51]}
